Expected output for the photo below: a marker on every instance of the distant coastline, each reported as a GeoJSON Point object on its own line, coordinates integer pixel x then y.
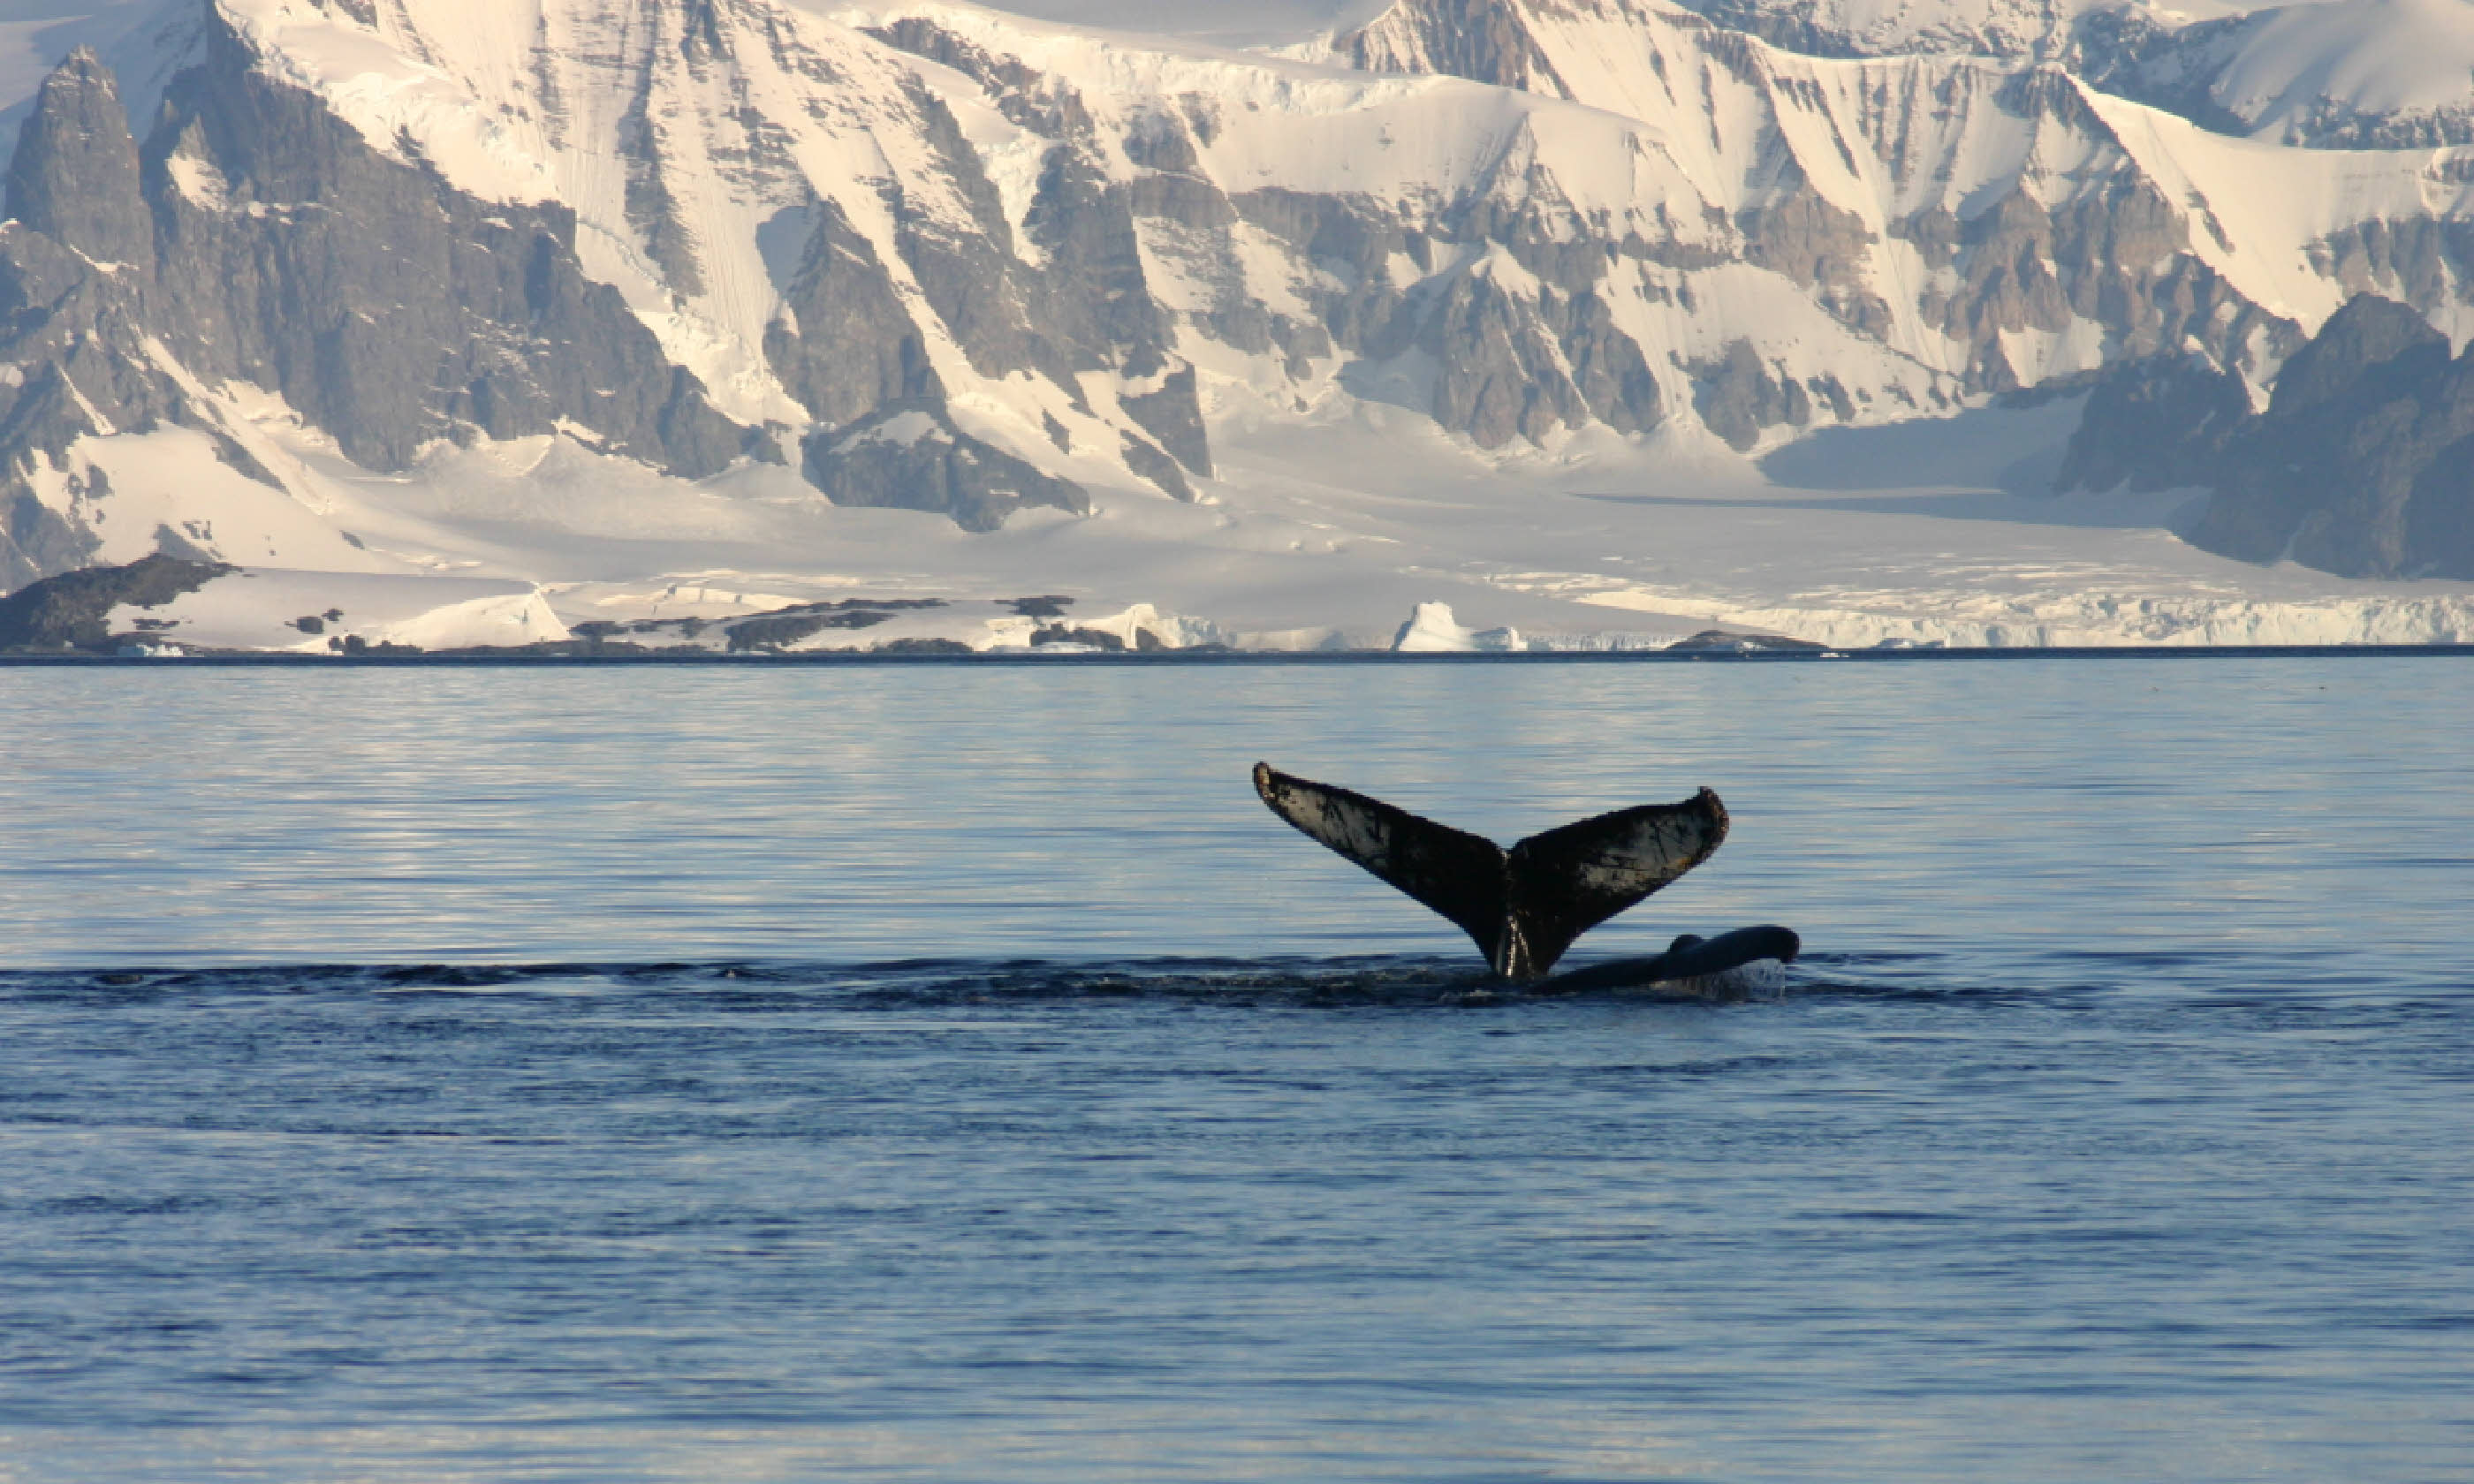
{"type": "Point", "coordinates": [554, 656]}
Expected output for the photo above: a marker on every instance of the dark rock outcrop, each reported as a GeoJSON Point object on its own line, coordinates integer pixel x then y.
{"type": "Point", "coordinates": [921, 647]}
{"type": "Point", "coordinates": [385, 305]}
{"type": "Point", "coordinates": [2161, 424]}
{"type": "Point", "coordinates": [913, 458]}
{"type": "Point", "coordinates": [1506, 363]}
{"type": "Point", "coordinates": [67, 612]}
{"type": "Point", "coordinates": [1483, 40]}
{"type": "Point", "coordinates": [1739, 396]}
{"type": "Point", "coordinates": [1145, 458]}
{"type": "Point", "coordinates": [1090, 638]}
{"type": "Point", "coordinates": [1078, 300]}
{"type": "Point", "coordinates": [1723, 641]}
{"type": "Point", "coordinates": [255, 237]}
{"type": "Point", "coordinates": [780, 631]}
{"type": "Point", "coordinates": [74, 176]}
{"type": "Point", "coordinates": [2363, 463]}
{"type": "Point", "coordinates": [1173, 414]}
{"type": "Point", "coordinates": [844, 345]}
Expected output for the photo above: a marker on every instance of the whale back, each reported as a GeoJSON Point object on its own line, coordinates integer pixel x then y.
{"type": "Point", "coordinates": [1524, 907]}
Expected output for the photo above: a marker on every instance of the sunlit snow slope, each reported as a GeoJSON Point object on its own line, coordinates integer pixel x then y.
{"type": "Point", "coordinates": [613, 292]}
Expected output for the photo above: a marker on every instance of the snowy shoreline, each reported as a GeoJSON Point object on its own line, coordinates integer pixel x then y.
{"type": "Point", "coordinates": [164, 606]}
{"type": "Point", "coordinates": [868, 658]}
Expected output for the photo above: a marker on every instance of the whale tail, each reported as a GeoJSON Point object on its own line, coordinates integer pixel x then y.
{"type": "Point", "coordinates": [1523, 906]}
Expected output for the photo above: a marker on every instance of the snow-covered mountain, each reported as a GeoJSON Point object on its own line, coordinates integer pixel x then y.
{"type": "Point", "coordinates": [2336, 74]}
{"type": "Point", "coordinates": [2035, 29]}
{"type": "Point", "coordinates": [758, 262]}
{"type": "Point", "coordinates": [2032, 30]}
{"type": "Point", "coordinates": [2343, 73]}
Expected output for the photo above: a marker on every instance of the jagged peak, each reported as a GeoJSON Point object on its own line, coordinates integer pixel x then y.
{"type": "Point", "coordinates": [1485, 40]}
{"type": "Point", "coordinates": [2018, 30]}
{"type": "Point", "coordinates": [73, 173]}
{"type": "Point", "coordinates": [83, 63]}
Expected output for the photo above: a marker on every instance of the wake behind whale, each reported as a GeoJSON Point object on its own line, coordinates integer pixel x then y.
{"type": "Point", "coordinates": [1524, 907]}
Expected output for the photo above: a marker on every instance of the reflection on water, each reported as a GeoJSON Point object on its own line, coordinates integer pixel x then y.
{"type": "Point", "coordinates": [955, 1074]}
{"type": "Point", "coordinates": [2028, 808]}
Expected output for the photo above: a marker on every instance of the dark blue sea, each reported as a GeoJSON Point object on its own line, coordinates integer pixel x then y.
{"type": "Point", "coordinates": [954, 1073]}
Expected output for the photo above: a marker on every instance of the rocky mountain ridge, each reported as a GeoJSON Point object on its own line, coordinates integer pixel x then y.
{"type": "Point", "coordinates": [2362, 461]}
{"type": "Point", "coordinates": [930, 256]}
{"type": "Point", "coordinates": [2321, 74]}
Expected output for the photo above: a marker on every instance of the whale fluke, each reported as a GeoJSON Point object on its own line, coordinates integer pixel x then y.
{"type": "Point", "coordinates": [1523, 906]}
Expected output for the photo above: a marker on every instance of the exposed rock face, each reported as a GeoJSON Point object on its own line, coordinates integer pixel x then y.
{"type": "Point", "coordinates": [1512, 364]}
{"type": "Point", "coordinates": [1173, 414]}
{"type": "Point", "coordinates": [387, 307]}
{"type": "Point", "coordinates": [845, 345]}
{"type": "Point", "coordinates": [35, 541]}
{"type": "Point", "coordinates": [74, 178]}
{"type": "Point", "coordinates": [2031, 29]}
{"type": "Point", "coordinates": [1740, 398]}
{"type": "Point", "coordinates": [68, 326]}
{"type": "Point", "coordinates": [2163, 423]}
{"type": "Point", "coordinates": [695, 234]}
{"type": "Point", "coordinates": [1145, 458]}
{"type": "Point", "coordinates": [2424, 261]}
{"type": "Point", "coordinates": [2132, 55]}
{"type": "Point", "coordinates": [1517, 368]}
{"type": "Point", "coordinates": [67, 612]}
{"type": "Point", "coordinates": [1510, 357]}
{"type": "Point", "coordinates": [2349, 75]}
{"type": "Point", "coordinates": [2119, 257]}
{"type": "Point", "coordinates": [257, 238]}
{"type": "Point", "coordinates": [913, 458]}
{"type": "Point", "coordinates": [1076, 297]}
{"type": "Point", "coordinates": [1483, 40]}
{"type": "Point", "coordinates": [2363, 463]}
{"type": "Point", "coordinates": [1808, 240]}
{"type": "Point", "coordinates": [2043, 259]}
{"type": "Point", "coordinates": [2332, 74]}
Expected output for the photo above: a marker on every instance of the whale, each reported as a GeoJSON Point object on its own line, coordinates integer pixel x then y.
{"type": "Point", "coordinates": [1525, 906]}
{"type": "Point", "coordinates": [1748, 960]}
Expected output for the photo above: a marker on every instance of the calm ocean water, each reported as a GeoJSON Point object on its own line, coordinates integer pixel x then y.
{"type": "Point", "coordinates": [954, 1073]}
